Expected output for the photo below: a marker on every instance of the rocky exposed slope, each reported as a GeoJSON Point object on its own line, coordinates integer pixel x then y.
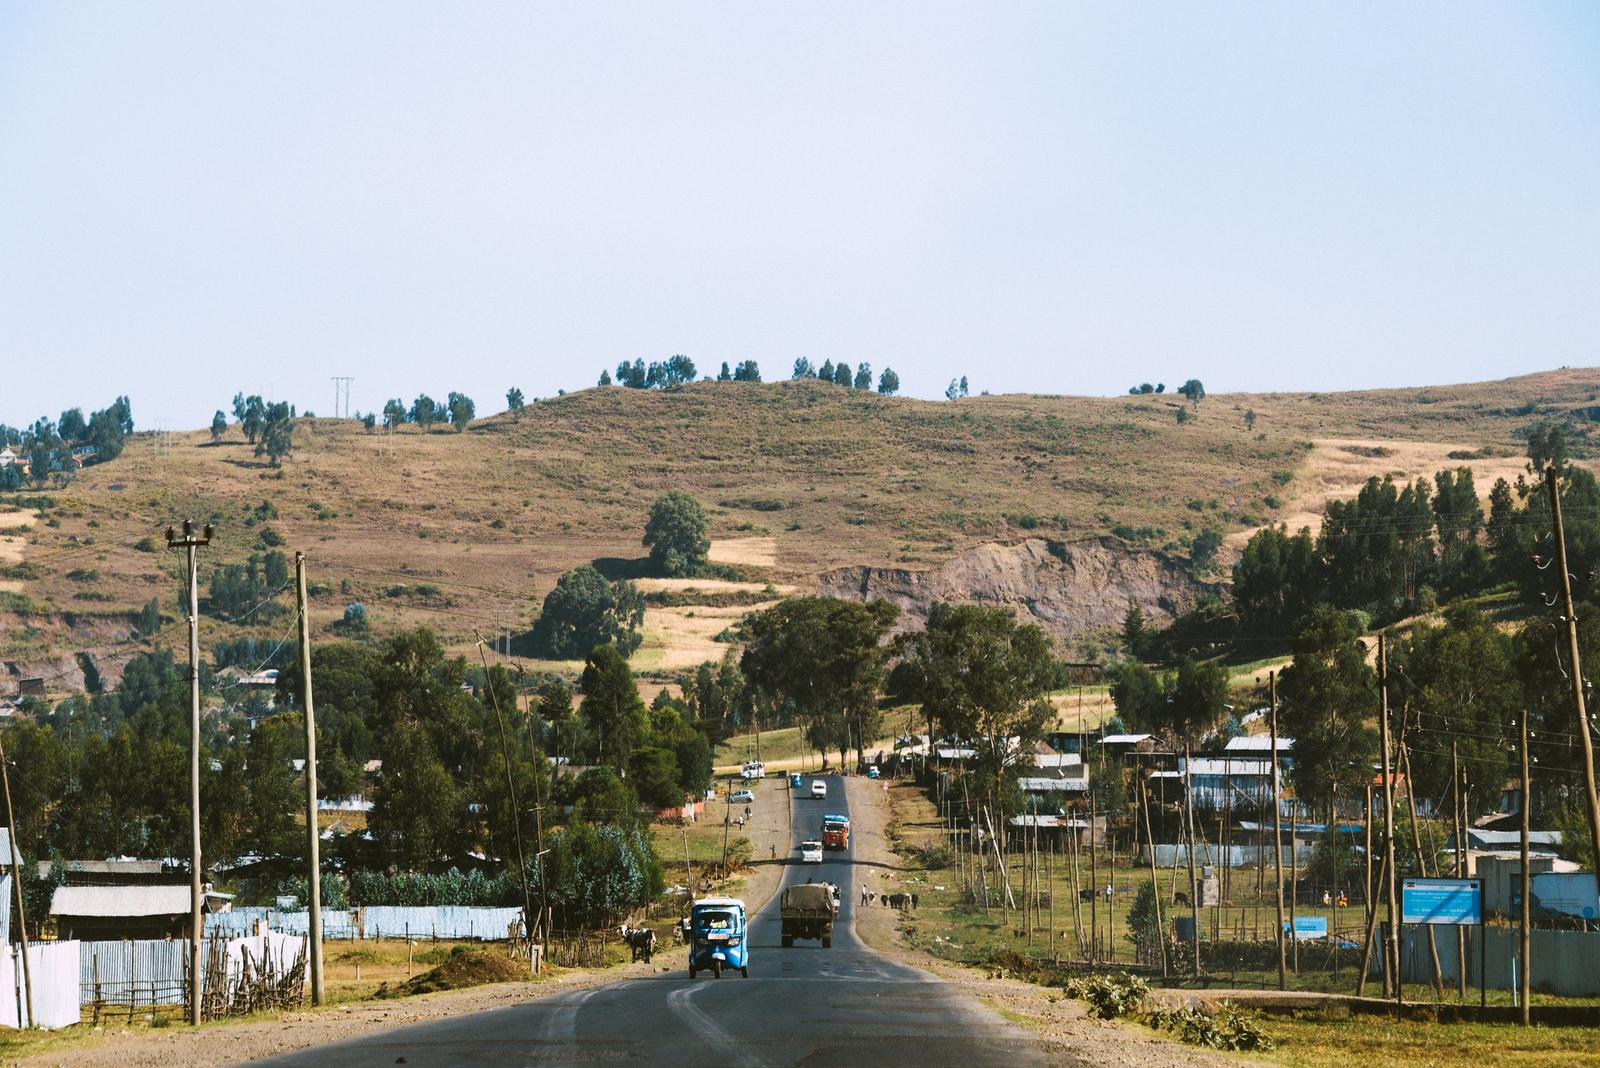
{"type": "Point", "coordinates": [1068, 588]}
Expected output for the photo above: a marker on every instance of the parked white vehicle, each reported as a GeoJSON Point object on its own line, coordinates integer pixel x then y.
{"type": "Point", "coordinates": [819, 788]}
{"type": "Point", "coordinates": [753, 770]}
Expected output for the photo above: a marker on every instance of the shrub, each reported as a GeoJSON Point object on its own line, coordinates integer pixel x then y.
{"type": "Point", "coordinates": [1108, 995]}
{"type": "Point", "coordinates": [1228, 1029]}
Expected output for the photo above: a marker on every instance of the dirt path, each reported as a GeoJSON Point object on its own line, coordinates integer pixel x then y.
{"type": "Point", "coordinates": [1059, 1020]}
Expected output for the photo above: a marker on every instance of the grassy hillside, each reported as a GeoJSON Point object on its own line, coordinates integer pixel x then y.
{"type": "Point", "coordinates": [468, 531]}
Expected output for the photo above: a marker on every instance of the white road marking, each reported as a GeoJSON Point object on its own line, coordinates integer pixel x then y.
{"type": "Point", "coordinates": [710, 1032]}
{"type": "Point", "coordinates": [561, 1021]}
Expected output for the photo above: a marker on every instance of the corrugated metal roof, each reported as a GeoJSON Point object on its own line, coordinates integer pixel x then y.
{"type": "Point", "coordinates": [120, 901]}
{"type": "Point", "coordinates": [1254, 743]}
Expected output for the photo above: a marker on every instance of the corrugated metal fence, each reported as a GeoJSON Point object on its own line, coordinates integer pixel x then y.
{"type": "Point", "coordinates": [1564, 962]}
{"type": "Point", "coordinates": [53, 966]}
{"type": "Point", "coordinates": [1236, 856]}
{"type": "Point", "coordinates": [151, 972]}
{"type": "Point", "coordinates": [377, 921]}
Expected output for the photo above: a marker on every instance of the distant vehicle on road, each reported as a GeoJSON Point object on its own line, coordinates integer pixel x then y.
{"type": "Point", "coordinates": [872, 772]}
{"type": "Point", "coordinates": [819, 788]}
{"type": "Point", "coordinates": [808, 912]}
{"type": "Point", "coordinates": [753, 770]}
{"type": "Point", "coordinates": [796, 782]}
{"type": "Point", "coordinates": [835, 832]}
{"type": "Point", "coordinates": [719, 936]}
{"type": "Point", "coordinates": [742, 797]}
{"type": "Point", "coordinates": [811, 852]}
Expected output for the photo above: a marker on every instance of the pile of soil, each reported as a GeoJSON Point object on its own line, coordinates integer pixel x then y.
{"type": "Point", "coordinates": [465, 967]}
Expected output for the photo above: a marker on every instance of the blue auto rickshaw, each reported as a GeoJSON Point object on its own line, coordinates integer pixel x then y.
{"type": "Point", "coordinates": [719, 936]}
{"type": "Point", "coordinates": [795, 781]}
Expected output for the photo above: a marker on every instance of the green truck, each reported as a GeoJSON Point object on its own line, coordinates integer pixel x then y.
{"type": "Point", "coordinates": [808, 912]}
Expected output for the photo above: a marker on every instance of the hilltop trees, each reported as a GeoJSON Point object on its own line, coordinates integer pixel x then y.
{"type": "Point", "coordinates": [219, 426]}
{"type": "Point", "coordinates": [585, 610]}
{"type": "Point", "coordinates": [424, 411]}
{"type": "Point", "coordinates": [277, 433]}
{"type": "Point", "coordinates": [514, 399]}
{"type": "Point", "coordinates": [888, 382]}
{"type": "Point", "coordinates": [1193, 390]}
{"type": "Point", "coordinates": [803, 369]}
{"type": "Point", "coordinates": [461, 410]}
{"type": "Point", "coordinates": [677, 534]}
{"type": "Point", "coordinates": [747, 371]}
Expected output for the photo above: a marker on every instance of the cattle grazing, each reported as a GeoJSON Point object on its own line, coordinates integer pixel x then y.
{"type": "Point", "coordinates": [1181, 897]}
{"type": "Point", "coordinates": [641, 940]}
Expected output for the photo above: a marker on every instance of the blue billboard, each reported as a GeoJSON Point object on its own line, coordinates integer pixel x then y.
{"type": "Point", "coordinates": [1446, 901]}
{"type": "Point", "coordinates": [1306, 928]}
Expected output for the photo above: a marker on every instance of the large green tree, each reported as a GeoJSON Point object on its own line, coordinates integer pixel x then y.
{"type": "Point", "coordinates": [677, 534]}
{"type": "Point", "coordinates": [825, 657]}
{"type": "Point", "coordinates": [585, 610]}
{"type": "Point", "coordinates": [983, 678]}
{"type": "Point", "coordinates": [1328, 694]}
{"type": "Point", "coordinates": [612, 708]}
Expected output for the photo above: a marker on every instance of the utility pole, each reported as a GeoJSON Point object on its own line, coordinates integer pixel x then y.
{"type": "Point", "coordinates": [16, 883]}
{"type": "Point", "coordinates": [313, 840]}
{"type": "Point", "coordinates": [1194, 881]}
{"type": "Point", "coordinates": [191, 543]}
{"type": "Point", "coordinates": [515, 808]}
{"type": "Point", "coordinates": [341, 387]}
{"type": "Point", "coordinates": [1155, 883]}
{"type": "Point", "coordinates": [1524, 939]}
{"type": "Point", "coordinates": [1577, 670]}
{"type": "Point", "coordinates": [1277, 824]}
{"type": "Point", "coordinates": [1460, 868]}
{"type": "Point", "coordinates": [1391, 960]}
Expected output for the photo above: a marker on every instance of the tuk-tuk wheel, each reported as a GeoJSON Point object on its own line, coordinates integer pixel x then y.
{"type": "Point", "coordinates": [691, 971]}
{"type": "Point", "coordinates": [827, 943]}
{"type": "Point", "coordinates": [745, 972]}
{"type": "Point", "coordinates": [716, 969]}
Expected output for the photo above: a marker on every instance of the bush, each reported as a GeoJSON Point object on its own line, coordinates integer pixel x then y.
{"type": "Point", "coordinates": [1228, 1029]}
{"type": "Point", "coordinates": [1108, 995]}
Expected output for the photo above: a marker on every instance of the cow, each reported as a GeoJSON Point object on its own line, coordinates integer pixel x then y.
{"type": "Point", "coordinates": [641, 940]}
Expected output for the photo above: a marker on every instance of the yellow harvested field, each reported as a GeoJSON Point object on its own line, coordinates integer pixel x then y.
{"type": "Point", "coordinates": [704, 586]}
{"type": "Point", "coordinates": [1086, 709]}
{"type": "Point", "coordinates": [683, 637]}
{"type": "Point", "coordinates": [12, 545]}
{"type": "Point", "coordinates": [752, 552]}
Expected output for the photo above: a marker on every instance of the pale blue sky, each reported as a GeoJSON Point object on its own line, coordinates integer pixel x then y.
{"type": "Point", "coordinates": [202, 198]}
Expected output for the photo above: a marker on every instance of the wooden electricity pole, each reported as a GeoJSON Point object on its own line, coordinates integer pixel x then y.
{"type": "Point", "coordinates": [191, 543]}
{"type": "Point", "coordinates": [1277, 823]}
{"type": "Point", "coordinates": [1194, 879]}
{"type": "Point", "coordinates": [16, 882]}
{"type": "Point", "coordinates": [1391, 960]}
{"type": "Point", "coordinates": [313, 842]}
{"type": "Point", "coordinates": [1155, 883]}
{"type": "Point", "coordinates": [1525, 973]}
{"type": "Point", "coordinates": [1460, 867]}
{"type": "Point", "coordinates": [515, 807]}
{"type": "Point", "coordinates": [1576, 674]}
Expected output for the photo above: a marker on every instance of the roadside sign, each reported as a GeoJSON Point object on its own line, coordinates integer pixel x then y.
{"type": "Point", "coordinates": [1456, 902]}
{"type": "Point", "coordinates": [1306, 928]}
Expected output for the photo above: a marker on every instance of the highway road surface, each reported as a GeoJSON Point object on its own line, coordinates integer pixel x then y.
{"type": "Point", "coordinates": [801, 1006]}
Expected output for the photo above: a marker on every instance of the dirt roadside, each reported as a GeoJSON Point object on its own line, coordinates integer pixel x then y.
{"type": "Point", "coordinates": [237, 1043]}
{"type": "Point", "coordinates": [1059, 1020]}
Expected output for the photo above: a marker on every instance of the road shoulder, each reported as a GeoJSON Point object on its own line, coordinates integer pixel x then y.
{"type": "Point", "coordinates": [1056, 1019]}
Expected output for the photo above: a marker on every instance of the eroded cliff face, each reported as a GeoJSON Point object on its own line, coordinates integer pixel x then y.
{"type": "Point", "coordinates": [1068, 588]}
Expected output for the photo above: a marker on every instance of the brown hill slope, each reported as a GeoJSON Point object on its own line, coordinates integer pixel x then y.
{"type": "Point", "coordinates": [468, 531]}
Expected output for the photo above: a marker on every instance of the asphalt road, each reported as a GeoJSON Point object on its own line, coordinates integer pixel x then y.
{"type": "Point", "coordinates": [801, 1006]}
